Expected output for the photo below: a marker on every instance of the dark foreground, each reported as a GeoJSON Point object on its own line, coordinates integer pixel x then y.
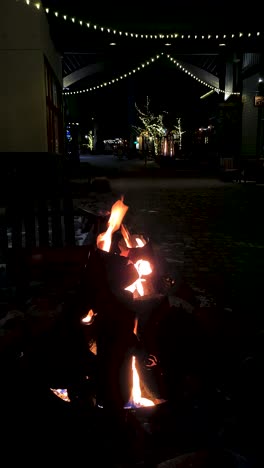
{"type": "Point", "coordinates": [210, 236]}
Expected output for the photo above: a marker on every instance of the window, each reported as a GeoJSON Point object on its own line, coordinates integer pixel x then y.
{"type": "Point", "coordinates": [54, 111]}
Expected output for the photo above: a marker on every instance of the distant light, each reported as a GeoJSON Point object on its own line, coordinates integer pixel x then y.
{"type": "Point", "coordinates": [112, 43]}
{"type": "Point", "coordinates": [260, 80]}
{"type": "Point", "coordinates": [222, 44]}
{"type": "Point", "coordinates": [167, 44]}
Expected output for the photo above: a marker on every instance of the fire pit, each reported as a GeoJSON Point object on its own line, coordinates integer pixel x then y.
{"type": "Point", "coordinates": [120, 291]}
{"type": "Point", "coordinates": [125, 317]}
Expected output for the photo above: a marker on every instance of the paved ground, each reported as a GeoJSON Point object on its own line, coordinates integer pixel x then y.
{"type": "Point", "coordinates": [207, 230]}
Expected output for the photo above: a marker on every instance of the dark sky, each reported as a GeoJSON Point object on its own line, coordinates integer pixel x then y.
{"type": "Point", "coordinates": [167, 14]}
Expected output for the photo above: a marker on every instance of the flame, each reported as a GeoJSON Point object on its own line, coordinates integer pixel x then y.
{"type": "Point", "coordinates": [89, 316]}
{"type": "Point", "coordinates": [118, 212]}
{"type": "Point", "coordinates": [126, 235]}
{"type": "Point", "coordinates": [135, 326]}
{"type": "Point", "coordinates": [143, 268]}
{"type": "Point", "coordinates": [61, 393]}
{"type": "Point", "coordinates": [136, 398]}
{"type": "Point", "coordinates": [139, 242]}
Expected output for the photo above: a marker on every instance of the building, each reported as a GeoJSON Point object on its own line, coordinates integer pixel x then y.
{"type": "Point", "coordinates": [31, 116]}
{"type": "Point", "coordinates": [252, 144]}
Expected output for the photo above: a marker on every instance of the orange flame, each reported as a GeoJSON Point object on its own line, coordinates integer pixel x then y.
{"type": "Point", "coordinates": [89, 316]}
{"type": "Point", "coordinates": [143, 268]}
{"type": "Point", "coordinates": [118, 212]}
{"type": "Point", "coordinates": [136, 398]}
{"type": "Point", "coordinates": [61, 393]}
{"type": "Point", "coordinates": [126, 235]}
{"type": "Point", "coordinates": [140, 242]}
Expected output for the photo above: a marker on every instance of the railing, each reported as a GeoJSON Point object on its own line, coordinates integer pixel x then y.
{"type": "Point", "coordinates": [36, 202]}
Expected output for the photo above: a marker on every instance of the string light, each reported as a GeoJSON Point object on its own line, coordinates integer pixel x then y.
{"type": "Point", "coordinates": [141, 67]}
{"type": "Point", "coordinates": [214, 88]}
{"type": "Point", "coordinates": [114, 80]}
{"type": "Point", "coordinates": [158, 35]}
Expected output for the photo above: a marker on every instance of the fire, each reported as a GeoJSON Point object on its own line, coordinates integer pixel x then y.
{"type": "Point", "coordinates": [118, 212]}
{"type": "Point", "coordinates": [88, 318]}
{"type": "Point", "coordinates": [126, 235]}
{"type": "Point", "coordinates": [139, 242]}
{"type": "Point", "coordinates": [143, 268]}
{"type": "Point", "coordinates": [104, 241]}
{"type": "Point", "coordinates": [61, 393]}
{"type": "Point", "coordinates": [136, 398]}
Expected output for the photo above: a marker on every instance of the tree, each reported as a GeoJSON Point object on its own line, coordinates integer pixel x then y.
{"type": "Point", "coordinates": [154, 129]}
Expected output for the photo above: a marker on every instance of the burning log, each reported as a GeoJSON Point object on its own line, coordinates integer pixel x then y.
{"type": "Point", "coordinates": [132, 271]}
{"type": "Point", "coordinates": [115, 290]}
{"type": "Point", "coordinates": [119, 272]}
{"type": "Point", "coordinates": [115, 340]}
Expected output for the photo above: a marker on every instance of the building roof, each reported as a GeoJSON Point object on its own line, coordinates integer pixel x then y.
{"type": "Point", "coordinates": [91, 49]}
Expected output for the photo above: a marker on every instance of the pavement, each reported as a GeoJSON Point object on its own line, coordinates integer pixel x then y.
{"type": "Point", "coordinates": [209, 231]}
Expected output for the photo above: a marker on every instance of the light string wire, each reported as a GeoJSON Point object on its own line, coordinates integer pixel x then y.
{"type": "Point", "coordinates": [117, 32]}
{"type": "Point", "coordinates": [141, 67]}
{"type": "Point", "coordinates": [185, 70]}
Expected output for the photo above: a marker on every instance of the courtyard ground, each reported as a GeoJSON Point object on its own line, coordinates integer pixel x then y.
{"type": "Point", "coordinates": [210, 232]}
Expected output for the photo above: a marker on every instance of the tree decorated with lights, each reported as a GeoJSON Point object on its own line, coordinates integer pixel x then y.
{"type": "Point", "coordinates": [153, 127]}
{"type": "Point", "coordinates": [156, 133]}
{"type": "Point", "coordinates": [178, 131]}
{"type": "Point", "coordinates": [90, 142]}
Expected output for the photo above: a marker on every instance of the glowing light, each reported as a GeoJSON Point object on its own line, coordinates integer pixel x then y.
{"type": "Point", "coordinates": [143, 36]}
{"type": "Point", "coordinates": [136, 399]}
{"type": "Point", "coordinates": [89, 317]}
{"type": "Point", "coordinates": [61, 393]}
{"type": "Point", "coordinates": [118, 212]}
